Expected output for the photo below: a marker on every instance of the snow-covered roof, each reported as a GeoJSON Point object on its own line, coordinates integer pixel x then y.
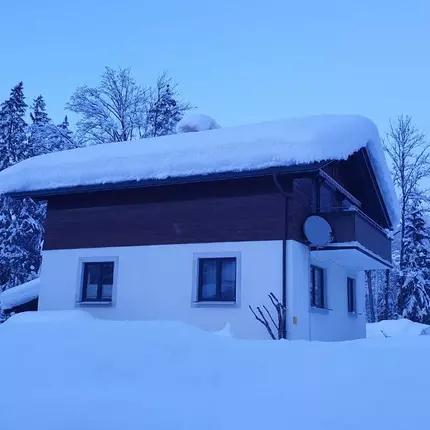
{"type": "Point", "coordinates": [20, 294]}
{"type": "Point", "coordinates": [234, 149]}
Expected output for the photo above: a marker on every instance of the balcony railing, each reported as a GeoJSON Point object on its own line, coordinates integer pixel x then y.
{"type": "Point", "coordinates": [355, 226]}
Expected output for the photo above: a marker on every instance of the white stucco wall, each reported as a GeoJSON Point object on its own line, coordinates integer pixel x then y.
{"type": "Point", "coordinates": [335, 323]}
{"type": "Point", "coordinates": [157, 282]}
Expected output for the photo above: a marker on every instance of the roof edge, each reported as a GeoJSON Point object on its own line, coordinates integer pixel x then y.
{"type": "Point", "coordinates": [111, 186]}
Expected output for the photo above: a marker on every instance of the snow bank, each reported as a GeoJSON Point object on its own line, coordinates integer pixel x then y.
{"type": "Point", "coordinates": [252, 147]}
{"type": "Point", "coordinates": [396, 328]}
{"type": "Point", "coordinates": [192, 122]}
{"type": "Point", "coordinates": [50, 317]}
{"type": "Point", "coordinates": [19, 295]}
{"type": "Point", "coordinates": [161, 376]}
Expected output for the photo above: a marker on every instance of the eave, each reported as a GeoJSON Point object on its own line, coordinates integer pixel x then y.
{"type": "Point", "coordinates": [301, 169]}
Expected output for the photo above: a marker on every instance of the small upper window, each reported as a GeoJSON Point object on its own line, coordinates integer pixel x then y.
{"type": "Point", "coordinates": [98, 282]}
{"type": "Point", "coordinates": [317, 287]}
{"type": "Point", "coordinates": [351, 294]}
{"type": "Point", "coordinates": [217, 280]}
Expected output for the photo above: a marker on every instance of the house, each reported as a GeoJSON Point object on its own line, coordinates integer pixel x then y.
{"type": "Point", "coordinates": [22, 298]}
{"type": "Point", "coordinates": [198, 226]}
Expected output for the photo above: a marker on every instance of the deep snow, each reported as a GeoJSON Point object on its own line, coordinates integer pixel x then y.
{"type": "Point", "coordinates": [192, 122]}
{"type": "Point", "coordinates": [20, 294]}
{"type": "Point", "coordinates": [89, 374]}
{"type": "Point", "coordinates": [396, 328]}
{"type": "Point", "coordinates": [251, 147]}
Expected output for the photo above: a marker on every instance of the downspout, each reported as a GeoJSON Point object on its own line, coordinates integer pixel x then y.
{"type": "Point", "coordinates": [284, 251]}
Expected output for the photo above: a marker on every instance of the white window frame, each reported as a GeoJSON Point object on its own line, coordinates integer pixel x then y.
{"type": "Point", "coordinates": [195, 274]}
{"type": "Point", "coordinates": [80, 281]}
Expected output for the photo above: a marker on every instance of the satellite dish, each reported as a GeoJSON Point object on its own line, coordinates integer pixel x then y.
{"type": "Point", "coordinates": [317, 231]}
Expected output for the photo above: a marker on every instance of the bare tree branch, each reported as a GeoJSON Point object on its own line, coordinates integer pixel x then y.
{"type": "Point", "coordinates": [119, 109]}
{"type": "Point", "coordinates": [270, 316]}
{"type": "Point", "coordinates": [263, 321]}
{"type": "Point", "coordinates": [281, 312]}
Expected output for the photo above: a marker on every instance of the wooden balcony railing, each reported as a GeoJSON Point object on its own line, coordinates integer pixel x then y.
{"type": "Point", "coordinates": [354, 226]}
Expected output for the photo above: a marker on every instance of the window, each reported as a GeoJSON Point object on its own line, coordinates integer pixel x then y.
{"type": "Point", "coordinates": [98, 282]}
{"type": "Point", "coordinates": [317, 287]}
{"type": "Point", "coordinates": [350, 283]}
{"type": "Point", "coordinates": [217, 280]}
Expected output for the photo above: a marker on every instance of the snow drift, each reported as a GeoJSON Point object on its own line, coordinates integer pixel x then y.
{"type": "Point", "coordinates": [396, 328]}
{"type": "Point", "coordinates": [251, 147]}
{"type": "Point", "coordinates": [92, 374]}
{"type": "Point", "coordinates": [192, 122]}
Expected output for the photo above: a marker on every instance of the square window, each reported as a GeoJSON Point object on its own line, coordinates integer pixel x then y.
{"type": "Point", "coordinates": [317, 289]}
{"type": "Point", "coordinates": [350, 283]}
{"type": "Point", "coordinates": [217, 280]}
{"type": "Point", "coordinates": [97, 283]}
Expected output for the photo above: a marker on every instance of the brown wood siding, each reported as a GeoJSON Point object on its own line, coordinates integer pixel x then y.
{"type": "Point", "coordinates": [249, 209]}
{"type": "Point", "coordinates": [301, 205]}
{"type": "Point", "coordinates": [227, 211]}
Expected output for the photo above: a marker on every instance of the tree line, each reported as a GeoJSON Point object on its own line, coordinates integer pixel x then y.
{"type": "Point", "coordinates": [404, 291]}
{"type": "Point", "coordinates": [117, 109]}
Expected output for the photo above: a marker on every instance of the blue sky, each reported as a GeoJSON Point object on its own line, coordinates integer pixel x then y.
{"type": "Point", "coordinates": [238, 61]}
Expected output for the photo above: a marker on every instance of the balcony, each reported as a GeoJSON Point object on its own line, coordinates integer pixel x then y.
{"type": "Point", "coordinates": [358, 242]}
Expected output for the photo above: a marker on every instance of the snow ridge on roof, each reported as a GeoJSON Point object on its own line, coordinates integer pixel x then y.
{"type": "Point", "coordinates": [234, 149]}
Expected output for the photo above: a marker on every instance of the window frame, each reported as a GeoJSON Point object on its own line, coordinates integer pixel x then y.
{"type": "Point", "coordinates": [313, 270]}
{"type": "Point", "coordinates": [84, 282]}
{"type": "Point", "coordinates": [218, 297]}
{"type": "Point", "coordinates": [351, 295]}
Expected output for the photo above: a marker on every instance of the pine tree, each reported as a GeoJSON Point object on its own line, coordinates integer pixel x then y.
{"type": "Point", "coordinates": [21, 221]}
{"type": "Point", "coordinates": [415, 275]}
{"type": "Point", "coordinates": [38, 139]}
{"type": "Point", "coordinates": [44, 136]}
{"type": "Point", "coordinates": [408, 150]}
{"type": "Point", "coordinates": [39, 114]}
{"type": "Point", "coordinates": [165, 111]}
{"type": "Point", "coordinates": [13, 139]}
{"type": "Point", "coordinates": [64, 137]}
{"type": "Point", "coordinates": [21, 233]}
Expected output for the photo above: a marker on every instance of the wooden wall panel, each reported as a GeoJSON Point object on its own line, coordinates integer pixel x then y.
{"type": "Point", "coordinates": [248, 211]}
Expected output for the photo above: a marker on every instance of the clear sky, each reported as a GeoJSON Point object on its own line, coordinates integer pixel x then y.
{"type": "Point", "coordinates": [237, 60]}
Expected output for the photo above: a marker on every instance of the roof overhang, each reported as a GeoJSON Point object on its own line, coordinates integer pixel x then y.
{"type": "Point", "coordinates": [299, 169]}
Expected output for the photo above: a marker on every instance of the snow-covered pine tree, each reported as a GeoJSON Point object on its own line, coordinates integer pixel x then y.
{"type": "Point", "coordinates": [415, 274]}
{"type": "Point", "coordinates": [21, 222]}
{"type": "Point", "coordinates": [21, 233]}
{"type": "Point", "coordinates": [13, 139]}
{"type": "Point", "coordinates": [44, 136]}
{"type": "Point", "coordinates": [39, 114]}
{"type": "Point", "coordinates": [63, 138]}
{"type": "Point", "coordinates": [165, 110]}
{"type": "Point", "coordinates": [38, 130]}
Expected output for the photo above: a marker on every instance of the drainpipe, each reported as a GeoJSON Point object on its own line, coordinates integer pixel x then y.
{"type": "Point", "coordinates": [284, 250]}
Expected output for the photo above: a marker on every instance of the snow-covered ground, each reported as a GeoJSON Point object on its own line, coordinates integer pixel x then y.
{"type": "Point", "coordinates": [66, 372]}
{"type": "Point", "coordinates": [396, 328]}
